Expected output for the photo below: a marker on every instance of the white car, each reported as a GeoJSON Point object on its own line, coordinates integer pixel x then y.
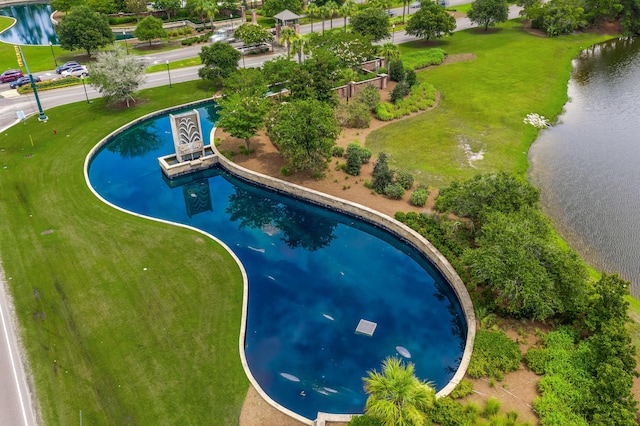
{"type": "Point", "coordinates": [77, 71]}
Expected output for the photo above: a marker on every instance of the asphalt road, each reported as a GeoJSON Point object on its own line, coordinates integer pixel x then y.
{"type": "Point", "coordinates": [16, 406]}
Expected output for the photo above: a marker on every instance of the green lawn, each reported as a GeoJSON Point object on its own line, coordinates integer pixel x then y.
{"type": "Point", "coordinates": [484, 101]}
{"type": "Point", "coordinates": [103, 335]}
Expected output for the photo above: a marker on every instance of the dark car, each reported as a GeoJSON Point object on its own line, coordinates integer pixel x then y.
{"type": "Point", "coordinates": [10, 75]}
{"type": "Point", "coordinates": [390, 13]}
{"type": "Point", "coordinates": [22, 81]}
{"type": "Point", "coordinates": [66, 66]}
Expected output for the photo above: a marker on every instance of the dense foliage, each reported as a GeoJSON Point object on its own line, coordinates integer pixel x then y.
{"type": "Point", "coordinates": [488, 12]}
{"type": "Point", "coordinates": [149, 29]}
{"type": "Point", "coordinates": [242, 115]}
{"type": "Point", "coordinates": [431, 21]}
{"type": "Point", "coordinates": [372, 22]}
{"type": "Point", "coordinates": [494, 354]}
{"type": "Point", "coordinates": [219, 60]}
{"type": "Point", "coordinates": [84, 29]}
{"type": "Point", "coordinates": [117, 75]}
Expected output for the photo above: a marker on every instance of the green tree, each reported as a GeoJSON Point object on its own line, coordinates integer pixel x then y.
{"type": "Point", "coordinates": [323, 11]}
{"type": "Point", "coordinates": [396, 396]}
{"type": "Point", "coordinates": [278, 70]}
{"type": "Point", "coordinates": [65, 5]}
{"type": "Point", "coordinates": [137, 7]}
{"type": "Point", "coordinates": [372, 22]}
{"type": "Point", "coordinates": [219, 60]}
{"type": "Point", "coordinates": [488, 12]}
{"type": "Point", "coordinates": [300, 46]}
{"type": "Point", "coordinates": [332, 8]}
{"type": "Point", "coordinates": [390, 52]}
{"type": "Point", "coordinates": [305, 131]}
{"type": "Point", "coordinates": [84, 29]}
{"type": "Point", "coordinates": [312, 10]}
{"type": "Point", "coordinates": [241, 115]}
{"type": "Point", "coordinates": [313, 78]}
{"type": "Point", "coordinates": [273, 7]}
{"type": "Point", "coordinates": [247, 81]}
{"type": "Point", "coordinates": [382, 175]}
{"type": "Point", "coordinates": [117, 75]}
{"type": "Point", "coordinates": [252, 34]}
{"type": "Point", "coordinates": [346, 10]}
{"type": "Point", "coordinates": [349, 49]}
{"type": "Point", "coordinates": [102, 6]}
{"type": "Point", "coordinates": [431, 21]}
{"type": "Point", "coordinates": [209, 8]}
{"type": "Point", "coordinates": [287, 35]}
{"type": "Point", "coordinates": [149, 29]}
{"type": "Point", "coordinates": [169, 6]}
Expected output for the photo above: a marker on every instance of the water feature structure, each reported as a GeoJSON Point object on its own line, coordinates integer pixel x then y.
{"type": "Point", "coordinates": [312, 274]}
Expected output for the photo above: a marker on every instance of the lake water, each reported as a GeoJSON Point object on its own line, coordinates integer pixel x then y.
{"type": "Point", "coordinates": [587, 165]}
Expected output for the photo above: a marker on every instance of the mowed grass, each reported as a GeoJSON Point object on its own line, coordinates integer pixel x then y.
{"type": "Point", "coordinates": [127, 320]}
{"type": "Point", "coordinates": [483, 102]}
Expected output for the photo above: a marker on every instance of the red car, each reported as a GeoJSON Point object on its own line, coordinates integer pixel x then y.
{"type": "Point", "coordinates": [10, 75]}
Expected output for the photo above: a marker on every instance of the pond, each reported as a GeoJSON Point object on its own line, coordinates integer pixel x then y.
{"type": "Point", "coordinates": [313, 274]}
{"type": "Point", "coordinates": [587, 164]}
{"type": "Point", "coordinates": [33, 25]}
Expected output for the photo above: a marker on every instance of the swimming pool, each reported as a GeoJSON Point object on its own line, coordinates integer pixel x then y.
{"type": "Point", "coordinates": [313, 274]}
{"type": "Point", "coordinates": [33, 25]}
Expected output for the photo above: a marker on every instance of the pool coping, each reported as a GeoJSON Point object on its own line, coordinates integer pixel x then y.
{"type": "Point", "coordinates": [382, 220]}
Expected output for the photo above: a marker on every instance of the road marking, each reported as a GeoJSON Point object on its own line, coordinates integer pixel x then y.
{"type": "Point", "coordinates": [13, 366]}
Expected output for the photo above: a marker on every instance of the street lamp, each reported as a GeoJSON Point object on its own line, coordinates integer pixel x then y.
{"type": "Point", "coordinates": [84, 86]}
{"type": "Point", "coordinates": [169, 72]}
{"type": "Point", "coordinates": [393, 33]}
{"type": "Point", "coordinates": [124, 36]}
{"type": "Point", "coordinates": [53, 54]}
{"type": "Point", "coordinates": [231, 16]}
{"type": "Point", "coordinates": [243, 65]}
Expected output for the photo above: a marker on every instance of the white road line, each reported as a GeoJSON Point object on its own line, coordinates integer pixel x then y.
{"type": "Point", "coordinates": [13, 366]}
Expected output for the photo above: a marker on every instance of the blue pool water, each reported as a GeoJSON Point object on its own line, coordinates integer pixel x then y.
{"type": "Point", "coordinates": [33, 25]}
{"type": "Point", "coordinates": [312, 273]}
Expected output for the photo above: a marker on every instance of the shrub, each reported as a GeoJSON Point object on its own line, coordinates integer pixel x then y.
{"type": "Point", "coordinates": [365, 155]}
{"type": "Point", "coordinates": [368, 95]}
{"type": "Point", "coordinates": [396, 71]}
{"type": "Point", "coordinates": [410, 78]}
{"type": "Point", "coordinates": [419, 197]}
{"type": "Point", "coordinates": [383, 112]}
{"type": "Point", "coordinates": [405, 179]}
{"type": "Point", "coordinates": [492, 407]}
{"type": "Point", "coordinates": [284, 171]}
{"type": "Point", "coordinates": [399, 92]}
{"type": "Point", "coordinates": [493, 355]}
{"type": "Point", "coordinates": [394, 191]}
{"type": "Point", "coordinates": [448, 412]}
{"type": "Point", "coordinates": [354, 162]}
{"type": "Point", "coordinates": [424, 58]}
{"type": "Point", "coordinates": [382, 70]}
{"type": "Point", "coordinates": [382, 175]}
{"type": "Point", "coordinates": [337, 151]}
{"type": "Point", "coordinates": [364, 420]}
{"type": "Point", "coordinates": [464, 388]}
{"type": "Point", "coordinates": [359, 115]}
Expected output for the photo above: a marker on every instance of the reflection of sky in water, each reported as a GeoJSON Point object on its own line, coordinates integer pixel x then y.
{"type": "Point", "coordinates": [313, 274]}
{"type": "Point", "coordinates": [33, 25]}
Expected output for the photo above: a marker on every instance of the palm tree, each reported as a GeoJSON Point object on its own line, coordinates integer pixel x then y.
{"type": "Point", "coordinates": [312, 10]}
{"type": "Point", "coordinates": [208, 7]}
{"type": "Point", "coordinates": [332, 7]}
{"type": "Point", "coordinates": [287, 35]}
{"type": "Point", "coordinates": [389, 52]}
{"type": "Point", "coordinates": [323, 13]}
{"type": "Point", "coordinates": [396, 396]}
{"type": "Point", "coordinates": [346, 10]}
{"type": "Point", "coordinates": [300, 45]}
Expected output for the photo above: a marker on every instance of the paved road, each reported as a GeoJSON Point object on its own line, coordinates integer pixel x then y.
{"type": "Point", "coordinates": [15, 402]}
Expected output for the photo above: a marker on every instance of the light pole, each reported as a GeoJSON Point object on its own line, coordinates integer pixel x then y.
{"type": "Point", "coordinates": [84, 86]}
{"type": "Point", "coordinates": [124, 36]}
{"type": "Point", "coordinates": [169, 72]}
{"type": "Point", "coordinates": [231, 16]}
{"type": "Point", "coordinates": [53, 54]}
{"type": "Point", "coordinates": [243, 65]}
{"type": "Point", "coordinates": [393, 33]}
{"type": "Point", "coordinates": [22, 61]}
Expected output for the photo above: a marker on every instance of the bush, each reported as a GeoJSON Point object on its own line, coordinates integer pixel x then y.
{"type": "Point", "coordinates": [410, 78]}
{"type": "Point", "coordinates": [365, 155]}
{"type": "Point", "coordinates": [368, 95]}
{"type": "Point", "coordinates": [382, 175]}
{"type": "Point", "coordinates": [493, 355]}
{"type": "Point", "coordinates": [405, 179]}
{"type": "Point", "coordinates": [448, 412]}
{"type": "Point", "coordinates": [354, 162]}
{"type": "Point", "coordinates": [359, 115]}
{"type": "Point", "coordinates": [424, 58]}
{"type": "Point", "coordinates": [394, 191]}
{"type": "Point", "coordinates": [464, 388]}
{"type": "Point", "coordinates": [396, 71]}
{"type": "Point", "coordinates": [383, 112]}
{"type": "Point", "coordinates": [382, 70]}
{"type": "Point", "coordinates": [337, 151]}
{"type": "Point", "coordinates": [492, 407]}
{"type": "Point", "coordinates": [364, 420]}
{"type": "Point", "coordinates": [419, 197]}
{"type": "Point", "coordinates": [399, 92]}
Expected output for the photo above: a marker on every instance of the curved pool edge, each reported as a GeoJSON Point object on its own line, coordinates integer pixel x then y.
{"type": "Point", "coordinates": [329, 201]}
{"type": "Point", "coordinates": [386, 222]}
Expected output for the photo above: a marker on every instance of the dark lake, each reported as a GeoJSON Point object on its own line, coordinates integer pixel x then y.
{"type": "Point", "coordinates": [588, 164]}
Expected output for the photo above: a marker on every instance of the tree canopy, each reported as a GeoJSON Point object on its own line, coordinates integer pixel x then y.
{"type": "Point", "coordinates": [431, 21]}
{"type": "Point", "coordinates": [84, 29]}
{"type": "Point", "coordinates": [117, 75]}
{"type": "Point", "coordinates": [149, 29]}
{"type": "Point", "coordinates": [373, 22]}
{"type": "Point", "coordinates": [252, 34]}
{"type": "Point", "coordinates": [242, 115]}
{"type": "Point", "coordinates": [273, 7]}
{"type": "Point", "coordinates": [305, 131]}
{"type": "Point", "coordinates": [488, 12]}
{"type": "Point", "coordinates": [219, 60]}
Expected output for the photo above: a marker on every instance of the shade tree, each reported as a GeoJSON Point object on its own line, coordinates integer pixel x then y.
{"type": "Point", "coordinates": [488, 12]}
{"type": "Point", "coordinates": [84, 29]}
{"type": "Point", "coordinates": [242, 115]}
{"type": "Point", "coordinates": [431, 21]}
{"type": "Point", "coordinates": [117, 76]}
{"type": "Point", "coordinates": [150, 29]}
{"type": "Point", "coordinates": [373, 22]}
{"type": "Point", "coordinates": [219, 60]}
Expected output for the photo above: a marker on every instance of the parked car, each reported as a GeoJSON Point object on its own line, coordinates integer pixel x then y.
{"type": "Point", "coordinates": [10, 75]}
{"type": "Point", "coordinates": [22, 81]}
{"type": "Point", "coordinates": [415, 5]}
{"type": "Point", "coordinates": [66, 66]}
{"type": "Point", "coordinates": [77, 71]}
{"type": "Point", "coordinates": [390, 13]}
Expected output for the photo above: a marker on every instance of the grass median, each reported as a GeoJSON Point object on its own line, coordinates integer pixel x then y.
{"type": "Point", "coordinates": [127, 320]}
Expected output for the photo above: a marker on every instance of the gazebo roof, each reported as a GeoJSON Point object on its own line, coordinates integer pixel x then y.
{"type": "Point", "coordinates": [286, 15]}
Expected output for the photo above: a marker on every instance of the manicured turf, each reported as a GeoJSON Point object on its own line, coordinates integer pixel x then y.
{"type": "Point", "coordinates": [484, 101]}
{"type": "Point", "coordinates": [124, 344]}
